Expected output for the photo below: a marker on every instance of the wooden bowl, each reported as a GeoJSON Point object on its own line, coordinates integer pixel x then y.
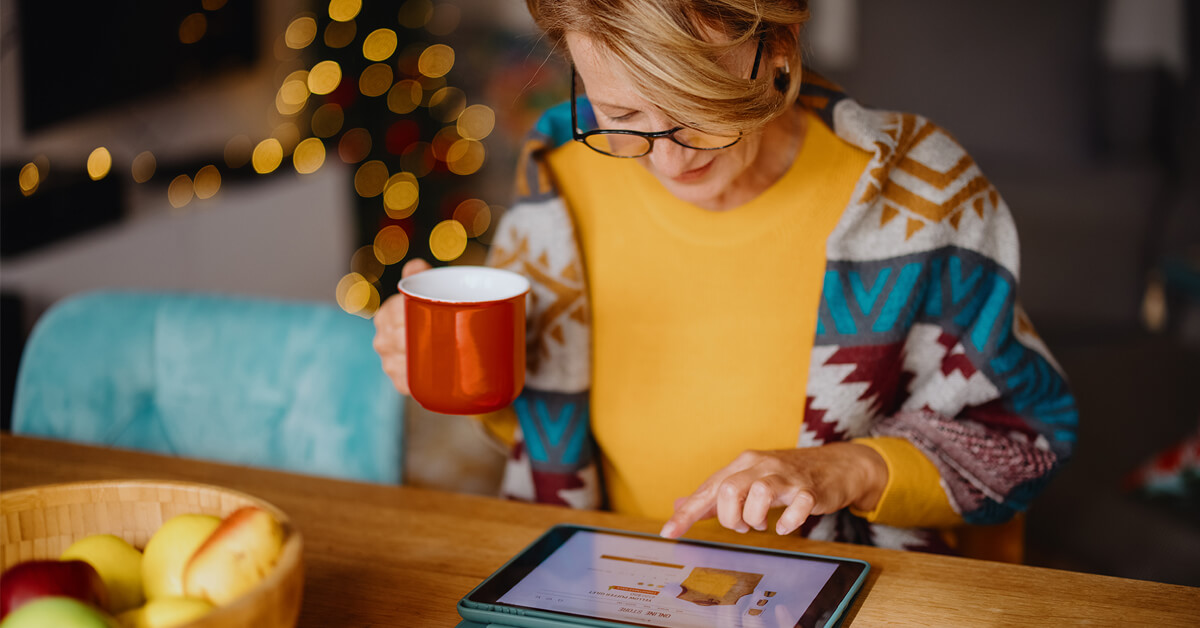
{"type": "Point", "coordinates": [41, 522]}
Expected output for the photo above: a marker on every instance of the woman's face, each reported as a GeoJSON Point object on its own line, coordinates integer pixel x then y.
{"type": "Point", "coordinates": [707, 178]}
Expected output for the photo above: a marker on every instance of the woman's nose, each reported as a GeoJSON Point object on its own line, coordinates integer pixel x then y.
{"type": "Point", "coordinates": [669, 158]}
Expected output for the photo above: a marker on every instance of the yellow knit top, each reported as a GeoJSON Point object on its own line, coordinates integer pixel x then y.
{"type": "Point", "coordinates": [703, 325]}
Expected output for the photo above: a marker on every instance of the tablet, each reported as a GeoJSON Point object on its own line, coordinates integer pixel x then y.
{"type": "Point", "coordinates": [582, 576]}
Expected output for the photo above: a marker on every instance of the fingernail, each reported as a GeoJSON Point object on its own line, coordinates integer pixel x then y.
{"type": "Point", "coordinates": [742, 528]}
{"type": "Point", "coordinates": [668, 530]}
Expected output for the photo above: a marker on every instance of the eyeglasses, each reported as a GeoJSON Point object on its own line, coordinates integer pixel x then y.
{"type": "Point", "coordinates": [628, 144]}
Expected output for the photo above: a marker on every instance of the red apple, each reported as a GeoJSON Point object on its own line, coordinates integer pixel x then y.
{"type": "Point", "coordinates": [32, 579]}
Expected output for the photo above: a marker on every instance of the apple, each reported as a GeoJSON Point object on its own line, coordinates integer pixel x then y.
{"type": "Point", "coordinates": [59, 612]}
{"type": "Point", "coordinates": [237, 556]}
{"type": "Point", "coordinates": [32, 579]}
{"type": "Point", "coordinates": [168, 551]}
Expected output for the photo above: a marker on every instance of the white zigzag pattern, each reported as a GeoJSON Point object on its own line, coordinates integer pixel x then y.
{"type": "Point", "coordinates": [945, 394]}
{"type": "Point", "coordinates": [840, 401]}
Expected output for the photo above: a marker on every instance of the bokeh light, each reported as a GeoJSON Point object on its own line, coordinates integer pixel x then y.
{"type": "Point", "coordinates": [143, 166]}
{"type": "Point", "coordinates": [365, 263]}
{"type": "Point", "coordinates": [415, 13]}
{"type": "Point", "coordinates": [448, 240]}
{"type": "Point", "coordinates": [436, 60]}
{"type": "Point", "coordinates": [476, 122]}
{"type": "Point", "coordinates": [404, 96]}
{"type": "Point", "coordinates": [447, 103]}
{"type": "Point", "coordinates": [208, 182]}
{"type": "Point", "coordinates": [324, 77]}
{"type": "Point", "coordinates": [99, 163]}
{"type": "Point", "coordinates": [29, 179]}
{"type": "Point", "coordinates": [354, 146]}
{"type": "Point", "coordinates": [418, 159]}
{"type": "Point", "coordinates": [465, 157]}
{"type": "Point", "coordinates": [443, 140]}
{"type": "Point", "coordinates": [300, 33]}
{"type": "Point", "coordinates": [212, 5]}
{"type": "Point", "coordinates": [474, 215]}
{"type": "Point", "coordinates": [445, 19]}
{"type": "Point", "coordinates": [380, 44]}
{"type": "Point", "coordinates": [309, 156]}
{"type": "Point", "coordinates": [344, 10]}
{"type": "Point", "coordinates": [237, 151]}
{"type": "Point", "coordinates": [400, 195]}
{"type": "Point", "coordinates": [180, 192]}
{"type": "Point", "coordinates": [327, 120]}
{"type": "Point", "coordinates": [267, 156]}
{"type": "Point", "coordinates": [288, 135]}
{"type": "Point", "coordinates": [192, 28]}
{"type": "Point", "coordinates": [356, 295]}
{"type": "Point", "coordinates": [375, 80]}
{"type": "Point", "coordinates": [340, 34]}
{"type": "Point", "coordinates": [391, 244]}
{"type": "Point", "coordinates": [370, 179]}
{"type": "Point", "coordinates": [293, 94]}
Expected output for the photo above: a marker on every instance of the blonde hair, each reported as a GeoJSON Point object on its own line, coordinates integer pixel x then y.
{"type": "Point", "coordinates": [668, 49]}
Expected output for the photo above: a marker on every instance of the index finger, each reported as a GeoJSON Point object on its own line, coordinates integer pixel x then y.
{"type": "Point", "coordinates": [699, 505]}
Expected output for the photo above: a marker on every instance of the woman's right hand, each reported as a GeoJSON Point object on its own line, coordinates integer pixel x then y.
{"type": "Point", "coordinates": [390, 342]}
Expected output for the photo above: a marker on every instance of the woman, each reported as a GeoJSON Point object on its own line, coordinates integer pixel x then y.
{"type": "Point", "coordinates": [755, 294]}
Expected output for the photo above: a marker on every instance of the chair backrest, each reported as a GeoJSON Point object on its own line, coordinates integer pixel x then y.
{"type": "Point", "coordinates": [294, 386]}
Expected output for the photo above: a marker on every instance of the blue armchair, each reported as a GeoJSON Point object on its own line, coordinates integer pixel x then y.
{"type": "Point", "coordinates": [293, 386]}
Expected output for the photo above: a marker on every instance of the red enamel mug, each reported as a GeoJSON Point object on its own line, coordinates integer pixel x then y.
{"type": "Point", "coordinates": [465, 329]}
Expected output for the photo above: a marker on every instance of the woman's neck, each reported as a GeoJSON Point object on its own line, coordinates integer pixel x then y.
{"type": "Point", "coordinates": [779, 143]}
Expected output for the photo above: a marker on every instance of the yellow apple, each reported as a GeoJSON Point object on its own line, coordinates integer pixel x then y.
{"type": "Point", "coordinates": [235, 557]}
{"type": "Point", "coordinates": [169, 550]}
{"type": "Point", "coordinates": [118, 563]}
{"type": "Point", "coordinates": [165, 612]}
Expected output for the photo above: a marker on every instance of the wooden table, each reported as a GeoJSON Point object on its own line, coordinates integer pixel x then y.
{"type": "Point", "coordinates": [402, 556]}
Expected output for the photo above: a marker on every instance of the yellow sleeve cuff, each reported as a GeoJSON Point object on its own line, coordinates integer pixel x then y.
{"type": "Point", "coordinates": [913, 496]}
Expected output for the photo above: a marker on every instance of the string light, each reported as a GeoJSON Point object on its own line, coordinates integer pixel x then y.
{"type": "Point", "coordinates": [208, 181]}
{"type": "Point", "coordinates": [344, 10]}
{"type": "Point", "coordinates": [474, 215]}
{"type": "Point", "coordinates": [180, 192]}
{"type": "Point", "coordinates": [391, 245]}
{"type": "Point", "coordinates": [99, 163]}
{"type": "Point", "coordinates": [476, 122]}
{"type": "Point", "coordinates": [324, 77]}
{"type": "Point", "coordinates": [416, 13]}
{"type": "Point", "coordinates": [237, 151]}
{"type": "Point", "coordinates": [354, 146]}
{"type": "Point", "coordinates": [400, 195]}
{"type": "Point", "coordinates": [300, 33]}
{"type": "Point", "coordinates": [29, 179]}
{"type": "Point", "coordinates": [370, 179]}
{"type": "Point", "coordinates": [309, 156]}
{"type": "Point", "coordinates": [327, 120]}
{"type": "Point", "coordinates": [380, 44]}
{"type": "Point", "coordinates": [340, 34]}
{"type": "Point", "coordinates": [448, 240]}
{"type": "Point", "coordinates": [143, 166]}
{"type": "Point", "coordinates": [465, 157]}
{"type": "Point", "coordinates": [192, 28]}
{"type": "Point", "coordinates": [404, 96]}
{"type": "Point", "coordinates": [436, 60]}
{"type": "Point", "coordinates": [267, 156]}
{"type": "Point", "coordinates": [375, 80]}
{"type": "Point", "coordinates": [447, 103]}
{"type": "Point", "coordinates": [365, 263]}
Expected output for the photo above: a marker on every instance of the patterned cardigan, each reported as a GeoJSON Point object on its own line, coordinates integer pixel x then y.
{"type": "Point", "coordinates": [919, 333]}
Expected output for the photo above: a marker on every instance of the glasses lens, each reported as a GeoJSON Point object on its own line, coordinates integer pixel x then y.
{"type": "Point", "coordinates": [619, 144]}
{"type": "Point", "coordinates": [704, 141]}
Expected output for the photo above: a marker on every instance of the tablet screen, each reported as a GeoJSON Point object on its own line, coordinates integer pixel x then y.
{"type": "Point", "coordinates": [648, 581]}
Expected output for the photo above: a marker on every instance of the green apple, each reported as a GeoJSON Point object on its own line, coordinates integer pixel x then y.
{"type": "Point", "coordinates": [59, 612]}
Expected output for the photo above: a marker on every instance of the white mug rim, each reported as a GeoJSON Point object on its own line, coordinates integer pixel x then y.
{"type": "Point", "coordinates": [421, 286]}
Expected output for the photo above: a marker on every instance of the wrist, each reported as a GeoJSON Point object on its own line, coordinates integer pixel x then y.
{"type": "Point", "coordinates": [873, 470]}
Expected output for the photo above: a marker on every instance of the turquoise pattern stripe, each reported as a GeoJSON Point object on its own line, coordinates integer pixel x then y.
{"type": "Point", "coordinates": [555, 428]}
{"type": "Point", "coordinates": [969, 296]}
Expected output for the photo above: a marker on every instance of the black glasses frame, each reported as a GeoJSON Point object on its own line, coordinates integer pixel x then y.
{"type": "Point", "coordinates": [650, 137]}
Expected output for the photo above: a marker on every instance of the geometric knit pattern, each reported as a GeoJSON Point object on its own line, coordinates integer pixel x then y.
{"type": "Point", "coordinates": [919, 332]}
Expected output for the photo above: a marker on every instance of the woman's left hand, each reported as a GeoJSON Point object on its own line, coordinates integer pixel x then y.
{"type": "Point", "coordinates": [807, 481]}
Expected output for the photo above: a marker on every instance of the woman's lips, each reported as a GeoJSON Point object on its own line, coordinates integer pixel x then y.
{"type": "Point", "coordinates": [693, 174]}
